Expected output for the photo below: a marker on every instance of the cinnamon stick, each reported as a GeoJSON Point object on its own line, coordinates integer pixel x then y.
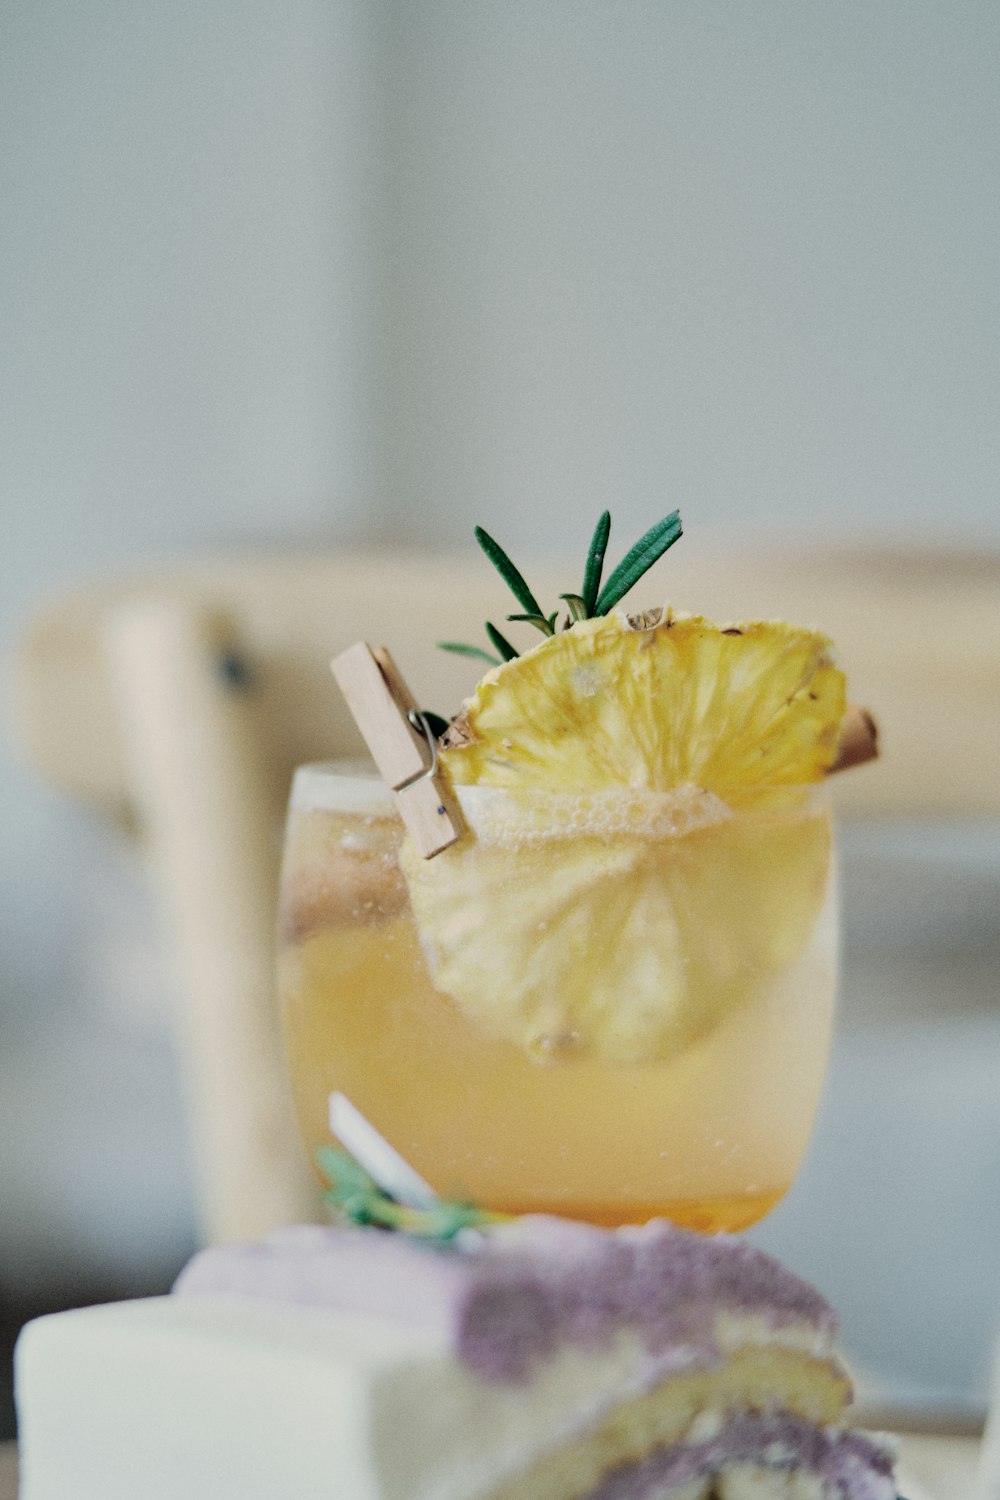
{"type": "Point", "coordinates": [858, 739]}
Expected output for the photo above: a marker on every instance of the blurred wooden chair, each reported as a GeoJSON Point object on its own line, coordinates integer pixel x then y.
{"type": "Point", "coordinates": [181, 699]}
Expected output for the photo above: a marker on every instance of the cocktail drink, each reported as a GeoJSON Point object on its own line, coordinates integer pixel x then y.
{"type": "Point", "coordinates": [612, 997]}
{"type": "Point", "coordinates": [609, 1004]}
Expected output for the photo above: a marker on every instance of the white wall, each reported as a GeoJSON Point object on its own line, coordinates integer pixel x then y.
{"type": "Point", "coordinates": [379, 269]}
{"type": "Point", "coordinates": [185, 303]}
{"type": "Point", "coordinates": [184, 300]}
{"type": "Point", "coordinates": [740, 258]}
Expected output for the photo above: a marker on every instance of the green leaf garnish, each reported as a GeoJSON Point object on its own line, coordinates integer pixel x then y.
{"type": "Point", "coordinates": [545, 623]}
{"type": "Point", "coordinates": [358, 1199]}
{"type": "Point", "coordinates": [435, 723]}
{"type": "Point", "coordinates": [593, 600]}
{"type": "Point", "coordinates": [638, 560]}
{"type": "Point", "coordinates": [510, 575]}
{"type": "Point", "coordinates": [595, 564]}
{"type": "Point", "coordinates": [461, 649]}
{"type": "Point", "coordinates": [501, 642]}
{"type": "Point", "coordinates": [577, 605]}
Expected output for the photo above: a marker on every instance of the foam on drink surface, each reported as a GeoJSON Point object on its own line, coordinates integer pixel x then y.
{"type": "Point", "coordinates": [509, 819]}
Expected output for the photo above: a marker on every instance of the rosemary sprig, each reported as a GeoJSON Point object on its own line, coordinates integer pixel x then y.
{"type": "Point", "coordinates": [358, 1199]}
{"type": "Point", "coordinates": [503, 651]}
{"type": "Point", "coordinates": [545, 623]}
{"type": "Point", "coordinates": [591, 601]}
{"type": "Point", "coordinates": [577, 606]}
{"type": "Point", "coordinates": [638, 560]}
{"type": "Point", "coordinates": [461, 649]}
{"type": "Point", "coordinates": [501, 642]}
{"type": "Point", "coordinates": [595, 564]}
{"type": "Point", "coordinates": [436, 723]}
{"type": "Point", "coordinates": [510, 575]}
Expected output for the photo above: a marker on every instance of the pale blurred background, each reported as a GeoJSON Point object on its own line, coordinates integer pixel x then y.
{"type": "Point", "coordinates": [369, 273]}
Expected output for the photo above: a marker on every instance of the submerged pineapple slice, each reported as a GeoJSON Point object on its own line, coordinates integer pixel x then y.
{"type": "Point", "coordinates": [656, 858]}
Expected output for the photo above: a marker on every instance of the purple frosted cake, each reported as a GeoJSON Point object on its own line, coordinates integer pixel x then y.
{"type": "Point", "coordinates": [540, 1360]}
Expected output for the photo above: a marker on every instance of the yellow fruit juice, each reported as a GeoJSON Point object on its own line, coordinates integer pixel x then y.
{"type": "Point", "coordinates": [609, 1016]}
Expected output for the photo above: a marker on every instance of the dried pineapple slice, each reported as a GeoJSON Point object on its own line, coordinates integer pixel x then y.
{"type": "Point", "coordinates": [658, 701]}
{"type": "Point", "coordinates": [657, 857]}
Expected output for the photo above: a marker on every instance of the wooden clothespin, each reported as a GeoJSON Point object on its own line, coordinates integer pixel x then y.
{"type": "Point", "coordinates": [401, 743]}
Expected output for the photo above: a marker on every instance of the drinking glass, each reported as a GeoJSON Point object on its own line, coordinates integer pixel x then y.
{"type": "Point", "coordinates": [606, 1009]}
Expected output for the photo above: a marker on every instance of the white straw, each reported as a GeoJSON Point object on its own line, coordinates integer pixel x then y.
{"type": "Point", "coordinates": [381, 1161]}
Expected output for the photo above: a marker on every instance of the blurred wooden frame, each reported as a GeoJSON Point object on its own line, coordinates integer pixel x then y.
{"type": "Point", "coordinates": [182, 698]}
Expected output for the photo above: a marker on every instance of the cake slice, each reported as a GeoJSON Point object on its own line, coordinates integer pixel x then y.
{"type": "Point", "coordinates": [541, 1360]}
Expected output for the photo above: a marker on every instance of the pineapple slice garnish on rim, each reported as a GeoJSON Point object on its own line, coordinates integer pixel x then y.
{"type": "Point", "coordinates": [656, 858]}
{"type": "Point", "coordinates": [655, 701]}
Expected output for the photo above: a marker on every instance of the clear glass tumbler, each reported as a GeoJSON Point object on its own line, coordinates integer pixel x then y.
{"type": "Point", "coordinates": [608, 1007]}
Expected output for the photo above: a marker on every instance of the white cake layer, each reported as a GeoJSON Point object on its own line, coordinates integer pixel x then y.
{"type": "Point", "coordinates": [188, 1398]}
